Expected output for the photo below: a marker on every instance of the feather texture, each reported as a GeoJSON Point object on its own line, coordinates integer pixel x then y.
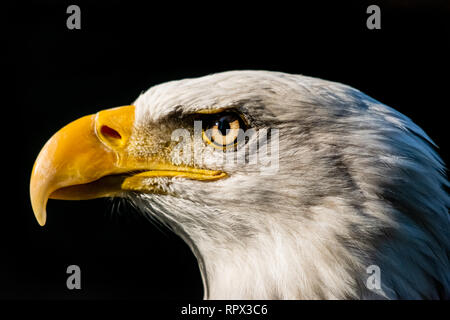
{"type": "Point", "coordinates": [357, 184]}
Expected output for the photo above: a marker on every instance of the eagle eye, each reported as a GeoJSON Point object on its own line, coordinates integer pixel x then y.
{"type": "Point", "coordinates": [223, 130]}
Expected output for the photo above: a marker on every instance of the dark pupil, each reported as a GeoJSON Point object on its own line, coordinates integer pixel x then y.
{"type": "Point", "coordinates": [223, 125]}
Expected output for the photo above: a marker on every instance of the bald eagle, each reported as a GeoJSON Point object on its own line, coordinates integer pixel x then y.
{"type": "Point", "coordinates": [355, 184]}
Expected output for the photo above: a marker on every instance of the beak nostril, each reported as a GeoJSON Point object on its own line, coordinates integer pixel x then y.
{"type": "Point", "coordinates": [110, 132]}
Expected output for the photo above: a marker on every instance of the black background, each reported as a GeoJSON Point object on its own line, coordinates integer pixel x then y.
{"type": "Point", "coordinates": [123, 49]}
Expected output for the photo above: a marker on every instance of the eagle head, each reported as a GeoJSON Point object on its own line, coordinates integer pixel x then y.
{"type": "Point", "coordinates": [283, 186]}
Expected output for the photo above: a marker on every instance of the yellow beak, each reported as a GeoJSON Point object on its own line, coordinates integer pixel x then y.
{"type": "Point", "coordinates": [89, 159]}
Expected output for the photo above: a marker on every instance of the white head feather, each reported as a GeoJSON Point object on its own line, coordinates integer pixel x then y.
{"type": "Point", "coordinates": [358, 184]}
